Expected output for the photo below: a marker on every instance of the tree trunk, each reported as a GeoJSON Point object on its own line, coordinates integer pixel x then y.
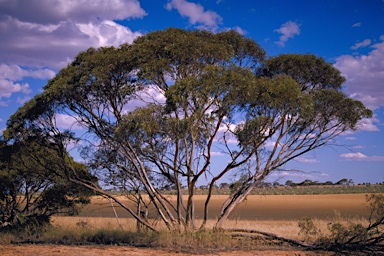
{"type": "Point", "coordinates": [233, 201]}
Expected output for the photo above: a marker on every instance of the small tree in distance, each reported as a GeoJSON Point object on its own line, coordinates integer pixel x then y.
{"type": "Point", "coordinates": [215, 92]}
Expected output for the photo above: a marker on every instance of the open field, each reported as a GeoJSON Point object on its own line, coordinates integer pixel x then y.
{"type": "Point", "coordinates": [260, 207]}
{"type": "Point", "coordinates": [278, 214]}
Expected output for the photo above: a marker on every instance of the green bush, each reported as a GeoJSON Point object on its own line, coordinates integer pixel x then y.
{"type": "Point", "coordinates": [307, 227]}
{"type": "Point", "coordinates": [353, 236]}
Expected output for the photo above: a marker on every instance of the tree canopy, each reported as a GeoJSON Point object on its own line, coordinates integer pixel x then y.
{"type": "Point", "coordinates": [33, 185]}
{"type": "Point", "coordinates": [159, 109]}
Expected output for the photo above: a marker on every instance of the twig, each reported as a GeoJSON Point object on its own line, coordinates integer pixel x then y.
{"type": "Point", "coordinates": [117, 218]}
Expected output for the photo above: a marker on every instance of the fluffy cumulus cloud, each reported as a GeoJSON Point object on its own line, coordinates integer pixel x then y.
{"type": "Point", "coordinates": [17, 73]}
{"type": "Point", "coordinates": [357, 156]}
{"type": "Point", "coordinates": [364, 74]}
{"type": "Point", "coordinates": [288, 30]}
{"type": "Point", "coordinates": [51, 32]}
{"type": "Point", "coordinates": [7, 88]}
{"type": "Point", "coordinates": [368, 124]}
{"type": "Point", "coordinates": [38, 37]}
{"type": "Point", "coordinates": [196, 14]}
{"type": "Point", "coordinates": [78, 11]}
{"type": "Point", "coordinates": [11, 77]}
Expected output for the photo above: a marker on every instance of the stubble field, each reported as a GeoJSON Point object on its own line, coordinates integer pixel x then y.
{"type": "Point", "coordinates": [277, 214]}
{"type": "Point", "coordinates": [259, 207]}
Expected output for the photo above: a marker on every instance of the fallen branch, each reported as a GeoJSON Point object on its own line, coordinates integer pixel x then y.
{"type": "Point", "coordinates": [269, 235]}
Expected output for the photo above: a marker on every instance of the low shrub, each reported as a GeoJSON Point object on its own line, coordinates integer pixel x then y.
{"type": "Point", "coordinates": [351, 236]}
{"type": "Point", "coordinates": [307, 228]}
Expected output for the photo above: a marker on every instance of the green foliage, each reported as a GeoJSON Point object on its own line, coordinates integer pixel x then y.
{"type": "Point", "coordinates": [308, 70]}
{"type": "Point", "coordinates": [307, 227]}
{"type": "Point", "coordinates": [352, 236]}
{"type": "Point", "coordinates": [217, 88]}
{"type": "Point", "coordinates": [33, 186]}
{"type": "Point", "coordinates": [341, 234]}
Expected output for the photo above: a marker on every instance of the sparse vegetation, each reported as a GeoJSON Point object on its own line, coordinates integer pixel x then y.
{"type": "Point", "coordinates": [307, 228]}
{"type": "Point", "coordinates": [335, 233]}
{"type": "Point", "coordinates": [353, 236]}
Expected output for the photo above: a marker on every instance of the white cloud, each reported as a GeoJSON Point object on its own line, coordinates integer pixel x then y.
{"type": "Point", "coordinates": [215, 153]}
{"type": "Point", "coordinates": [107, 33]}
{"type": "Point", "coordinates": [307, 160]}
{"type": "Point", "coordinates": [361, 157]}
{"type": "Point", "coordinates": [365, 76]}
{"type": "Point", "coordinates": [287, 30]}
{"type": "Point", "coordinates": [299, 175]}
{"type": "Point", "coordinates": [365, 124]}
{"type": "Point", "coordinates": [151, 94]}
{"type": "Point", "coordinates": [46, 33]}
{"type": "Point", "coordinates": [7, 88]}
{"type": "Point", "coordinates": [10, 74]}
{"type": "Point", "coordinates": [78, 11]}
{"type": "Point", "coordinates": [21, 101]}
{"type": "Point", "coordinates": [41, 36]}
{"type": "Point", "coordinates": [364, 43]}
{"type": "Point", "coordinates": [54, 46]}
{"type": "Point", "coordinates": [368, 124]}
{"type": "Point", "coordinates": [240, 30]}
{"type": "Point", "coordinates": [358, 24]}
{"type": "Point", "coordinates": [17, 73]}
{"type": "Point", "coordinates": [196, 14]}
{"type": "Point", "coordinates": [67, 122]}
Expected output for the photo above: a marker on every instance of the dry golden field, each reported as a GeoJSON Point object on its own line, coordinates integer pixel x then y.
{"type": "Point", "coordinates": [277, 214]}
{"type": "Point", "coordinates": [260, 207]}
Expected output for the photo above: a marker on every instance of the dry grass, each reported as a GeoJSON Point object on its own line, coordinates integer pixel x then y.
{"type": "Point", "coordinates": [274, 214]}
{"type": "Point", "coordinates": [93, 223]}
{"type": "Point", "coordinates": [285, 228]}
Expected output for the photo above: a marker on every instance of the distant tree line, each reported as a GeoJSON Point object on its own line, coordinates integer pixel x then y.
{"type": "Point", "coordinates": [343, 181]}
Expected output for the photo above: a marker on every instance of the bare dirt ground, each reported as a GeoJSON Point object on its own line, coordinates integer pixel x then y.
{"type": "Point", "coordinates": [60, 250]}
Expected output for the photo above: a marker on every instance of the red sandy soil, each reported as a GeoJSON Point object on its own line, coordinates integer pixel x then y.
{"type": "Point", "coordinates": [60, 250]}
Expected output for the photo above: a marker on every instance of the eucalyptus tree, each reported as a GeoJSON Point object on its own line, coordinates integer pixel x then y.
{"type": "Point", "coordinates": [215, 92]}
{"type": "Point", "coordinates": [33, 186]}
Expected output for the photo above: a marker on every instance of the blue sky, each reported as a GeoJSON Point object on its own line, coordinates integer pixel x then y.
{"type": "Point", "coordinates": [39, 37]}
